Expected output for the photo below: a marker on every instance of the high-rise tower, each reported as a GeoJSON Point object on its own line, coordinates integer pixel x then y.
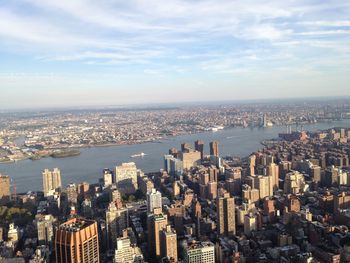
{"type": "Point", "coordinates": [225, 210]}
{"type": "Point", "coordinates": [156, 222]}
{"type": "Point", "coordinates": [214, 148]}
{"type": "Point", "coordinates": [4, 186]}
{"type": "Point", "coordinates": [199, 146]}
{"type": "Point", "coordinates": [77, 242]}
{"type": "Point", "coordinates": [154, 200]}
{"type": "Point", "coordinates": [51, 181]}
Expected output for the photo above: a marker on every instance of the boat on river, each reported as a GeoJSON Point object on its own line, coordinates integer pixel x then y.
{"type": "Point", "coordinates": [138, 155]}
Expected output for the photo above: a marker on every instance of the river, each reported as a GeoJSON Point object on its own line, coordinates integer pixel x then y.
{"type": "Point", "coordinates": [89, 164]}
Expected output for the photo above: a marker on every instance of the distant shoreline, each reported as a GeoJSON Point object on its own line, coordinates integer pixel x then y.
{"type": "Point", "coordinates": [157, 140]}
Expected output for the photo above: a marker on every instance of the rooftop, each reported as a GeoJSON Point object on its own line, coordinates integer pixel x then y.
{"type": "Point", "coordinates": [198, 245]}
{"type": "Point", "coordinates": [76, 224]}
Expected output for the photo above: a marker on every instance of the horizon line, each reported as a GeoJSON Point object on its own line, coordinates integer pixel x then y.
{"type": "Point", "coordinates": [150, 105]}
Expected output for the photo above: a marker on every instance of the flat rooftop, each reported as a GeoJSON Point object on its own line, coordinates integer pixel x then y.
{"type": "Point", "coordinates": [76, 224]}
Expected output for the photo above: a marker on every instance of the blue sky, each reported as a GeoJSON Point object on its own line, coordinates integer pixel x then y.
{"type": "Point", "coordinates": [66, 53]}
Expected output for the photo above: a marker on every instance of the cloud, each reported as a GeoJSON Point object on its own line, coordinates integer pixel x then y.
{"type": "Point", "coordinates": [265, 31]}
{"type": "Point", "coordinates": [325, 32]}
{"type": "Point", "coordinates": [339, 23]}
{"type": "Point", "coordinates": [174, 37]}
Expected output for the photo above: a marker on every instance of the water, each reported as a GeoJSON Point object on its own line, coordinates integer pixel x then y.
{"type": "Point", "coordinates": [89, 164]}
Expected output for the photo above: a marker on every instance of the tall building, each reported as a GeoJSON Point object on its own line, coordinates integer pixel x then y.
{"type": "Point", "coordinates": [341, 202]}
{"type": "Point", "coordinates": [168, 239]}
{"type": "Point", "coordinates": [212, 189]}
{"type": "Point", "coordinates": [167, 159]}
{"type": "Point", "coordinates": [243, 210]}
{"type": "Point", "coordinates": [83, 189]}
{"type": "Point", "coordinates": [174, 152]}
{"type": "Point", "coordinates": [44, 225]}
{"type": "Point", "coordinates": [273, 171]}
{"type": "Point", "coordinates": [334, 176]}
{"type": "Point", "coordinates": [156, 222]}
{"type": "Point", "coordinates": [249, 223]}
{"type": "Point", "coordinates": [185, 147]}
{"type": "Point", "coordinates": [269, 207]}
{"type": "Point", "coordinates": [284, 168]}
{"type": "Point", "coordinates": [190, 159]}
{"type": "Point", "coordinates": [145, 184]}
{"type": "Point", "coordinates": [116, 222]}
{"type": "Point", "coordinates": [172, 165]}
{"type": "Point", "coordinates": [72, 194]}
{"type": "Point", "coordinates": [116, 198]}
{"type": "Point", "coordinates": [250, 194]}
{"type": "Point", "coordinates": [252, 164]}
{"type": "Point", "coordinates": [294, 183]}
{"type": "Point", "coordinates": [126, 178]}
{"type": "Point", "coordinates": [199, 252]}
{"type": "Point", "coordinates": [13, 233]}
{"type": "Point", "coordinates": [51, 181]}
{"type": "Point", "coordinates": [214, 148]}
{"type": "Point", "coordinates": [125, 252]}
{"type": "Point", "coordinates": [264, 120]}
{"type": "Point", "coordinates": [315, 172]}
{"type": "Point", "coordinates": [4, 186]}
{"type": "Point", "coordinates": [265, 186]}
{"type": "Point", "coordinates": [76, 241]}
{"type": "Point", "coordinates": [154, 200]}
{"type": "Point", "coordinates": [199, 146]}
{"type": "Point", "coordinates": [107, 178]}
{"type": "Point", "coordinates": [225, 211]}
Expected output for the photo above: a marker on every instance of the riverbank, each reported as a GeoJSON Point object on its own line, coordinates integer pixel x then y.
{"type": "Point", "coordinates": [88, 166]}
{"type": "Point", "coordinates": [49, 151]}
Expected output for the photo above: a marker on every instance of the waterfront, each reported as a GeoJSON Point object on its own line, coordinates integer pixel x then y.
{"type": "Point", "coordinates": [89, 164]}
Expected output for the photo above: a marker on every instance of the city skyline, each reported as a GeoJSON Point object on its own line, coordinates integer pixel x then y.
{"type": "Point", "coordinates": [83, 53]}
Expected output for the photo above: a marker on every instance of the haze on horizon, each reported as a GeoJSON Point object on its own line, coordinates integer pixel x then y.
{"type": "Point", "coordinates": [68, 53]}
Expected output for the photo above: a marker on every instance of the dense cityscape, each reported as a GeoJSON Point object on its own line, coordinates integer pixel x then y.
{"type": "Point", "coordinates": [177, 131]}
{"type": "Point", "coordinates": [289, 202]}
{"type": "Point", "coordinates": [60, 133]}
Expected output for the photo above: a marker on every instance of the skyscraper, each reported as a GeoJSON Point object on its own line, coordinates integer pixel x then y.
{"type": "Point", "coordinates": [225, 211]}
{"type": "Point", "coordinates": [126, 252]}
{"type": "Point", "coordinates": [331, 176]}
{"type": "Point", "coordinates": [294, 183]}
{"type": "Point", "coordinates": [264, 120]}
{"type": "Point", "coordinates": [116, 222]}
{"type": "Point", "coordinates": [185, 147]}
{"type": "Point", "coordinates": [168, 240]}
{"type": "Point", "coordinates": [76, 241]}
{"type": "Point", "coordinates": [273, 171]}
{"type": "Point", "coordinates": [107, 177]}
{"type": "Point", "coordinates": [199, 146]}
{"type": "Point", "coordinates": [190, 159]}
{"type": "Point", "coordinates": [315, 172]}
{"type": "Point", "coordinates": [72, 194]}
{"type": "Point", "coordinates": [249, 223]}
{"type": "Point", "coordinates": [154, 200]}
{"type": "Point", "coordinates": [156, 222]}
{"type": "Point", "coordinates": [200, 252]}
{"type": "Point", "coordinates": [265, 186]}
{"type": "Point", "coordinates": [4, 186]}
{"type": "Point", "coordinates": [214, 148]}
{"type": "Point", "coordinates": [172, 165]}
{"type": "Point", "coordinates": [51, 181]}
{"type": "Point", "coordinates": [126, 178]}
{"type": "Point", "coordinates": [44, 225]}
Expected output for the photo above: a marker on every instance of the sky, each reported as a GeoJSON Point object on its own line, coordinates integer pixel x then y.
{"type": "Point", "coordinates": [104, 52]}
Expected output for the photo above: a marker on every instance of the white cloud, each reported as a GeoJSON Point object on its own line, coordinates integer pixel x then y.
{"type": "Point", "coordinates": [177, 36]}
{"type": "Point", "coordinates": [265, 31]}
{"type": "Point", "coordinates": [340, 23]}
{"type": "Point", "coordinates": [325, 32]}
